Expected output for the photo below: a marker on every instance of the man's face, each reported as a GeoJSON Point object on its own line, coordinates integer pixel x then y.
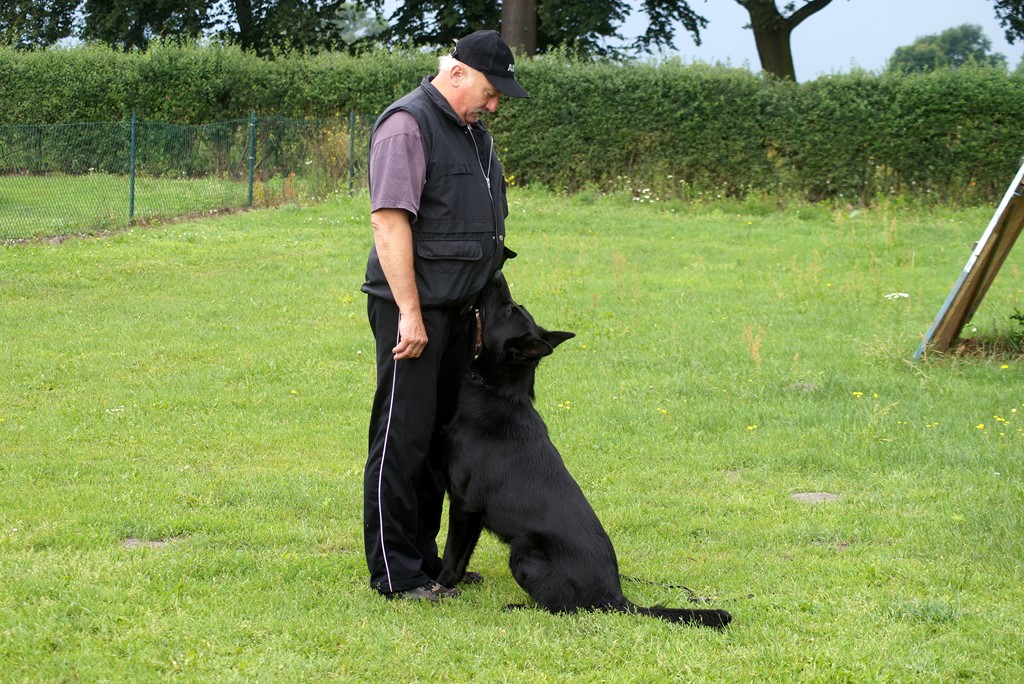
{"type": "Point", "coordinates": [476, 96]}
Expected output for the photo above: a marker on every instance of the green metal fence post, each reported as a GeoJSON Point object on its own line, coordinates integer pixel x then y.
{"type": "Point", "coordinates": [351, 149]}
{"type": "Point", "coordinates": [39, 149]}
{"type": "Point", "coordinates": [131, 170]}
{"type": "Point", "coordinates": [252, 153]}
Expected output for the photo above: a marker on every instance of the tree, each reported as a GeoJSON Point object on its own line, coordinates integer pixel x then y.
{"type": "Point", "coordinates": [437, 22]}
{"type": "Point", "coordinates": [1010, 14]}
{"type": "Point", "coordinates": [356, 24]}
{"type": "Point", "coordinates": [36, 23]}
{"type": "Point", "coordinates": [953, 47]}
{"type": "Point", "coordinates": [519, 25]}
{"type": "Point", "coordinates": [585, 27]}
{"type": "Point", "coordinates": [773, 30]}
{"type": "Point", "coordinates": [129, 24]}
{"type": "Point", "coordinates": [262, 26]}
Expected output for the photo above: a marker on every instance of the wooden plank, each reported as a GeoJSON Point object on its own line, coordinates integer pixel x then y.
{"type": "Point", "coordinates": [986, 259]}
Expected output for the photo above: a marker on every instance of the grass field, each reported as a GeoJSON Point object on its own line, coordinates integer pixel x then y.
{"type": "Point", "coordinates": [183, 418]}
{"type": "Point", "coordinates": [40, 206]}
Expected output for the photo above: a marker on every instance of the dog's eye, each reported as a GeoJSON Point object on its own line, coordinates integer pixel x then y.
{"type": "Point", "coordinates": [509, 310]}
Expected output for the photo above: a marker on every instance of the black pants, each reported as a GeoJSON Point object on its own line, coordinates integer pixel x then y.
{"type": "Point", "coordinates": [404, 481]}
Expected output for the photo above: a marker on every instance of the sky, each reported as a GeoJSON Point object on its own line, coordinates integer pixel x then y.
{"type": "Point", "coordinates": [844, 35]}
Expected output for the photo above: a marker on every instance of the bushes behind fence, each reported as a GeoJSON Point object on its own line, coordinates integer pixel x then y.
{"type": "Point", "coordinates": [664, 128]}
{"type": "Point", "coordinates": [194, 84]}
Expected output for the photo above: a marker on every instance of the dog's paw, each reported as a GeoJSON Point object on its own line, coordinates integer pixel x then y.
{"type": "Point", "coordinates": [472, 577]}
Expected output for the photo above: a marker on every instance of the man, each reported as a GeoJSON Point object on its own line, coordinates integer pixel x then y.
{"type": "Point", "coordinates": [438, 211]}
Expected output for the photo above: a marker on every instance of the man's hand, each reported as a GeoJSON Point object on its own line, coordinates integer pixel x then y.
{"type": "Point", "coordinates": [412, 336]}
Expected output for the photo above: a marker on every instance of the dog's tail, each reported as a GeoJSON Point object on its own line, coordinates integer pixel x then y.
{"type": "Point", "coordinates": [703, 617]}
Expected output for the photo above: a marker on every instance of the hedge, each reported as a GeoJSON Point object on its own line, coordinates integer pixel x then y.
{"type": "Point", "coordinates": [667, 128]}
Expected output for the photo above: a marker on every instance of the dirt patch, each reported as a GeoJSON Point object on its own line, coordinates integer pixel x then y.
{"type": "Point", "coordinates": [134, 543]}
{"type": "Point", "coordinates": [807, 387]}
{"type": "Point", "coordinates": [815, 497]}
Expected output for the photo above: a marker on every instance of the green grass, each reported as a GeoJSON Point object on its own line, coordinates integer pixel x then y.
{"type": "Point", "coordinates": [59, 205]}
{"type": "Point", "coordinates": [183, 420]}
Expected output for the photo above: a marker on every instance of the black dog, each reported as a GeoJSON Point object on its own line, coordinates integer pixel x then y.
{"type": "Point", "coordinates": [505, 475]}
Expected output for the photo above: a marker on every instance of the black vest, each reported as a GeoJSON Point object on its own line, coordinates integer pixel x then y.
{"type": "Point", "coordinates": [459, 233]}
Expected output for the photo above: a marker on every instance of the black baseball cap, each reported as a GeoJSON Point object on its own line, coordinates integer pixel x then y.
{"type": "Point", "coordinates": [486, 52]}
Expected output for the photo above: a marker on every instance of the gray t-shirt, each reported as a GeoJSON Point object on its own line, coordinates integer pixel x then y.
{"type": "Point", "coordinates": [398, 164]}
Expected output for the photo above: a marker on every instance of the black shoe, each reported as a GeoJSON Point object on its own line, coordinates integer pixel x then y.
{"type": "Point", "coordinates": [431, 591]}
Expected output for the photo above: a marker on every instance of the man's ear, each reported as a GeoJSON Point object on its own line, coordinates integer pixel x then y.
{"type": "Point", "coordinates": [557, 337]}
{"type": "Point", "coordinates": [456, 75]}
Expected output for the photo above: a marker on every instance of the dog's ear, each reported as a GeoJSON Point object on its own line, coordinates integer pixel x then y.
{"type": "Point", "coordinates": [528, 347]}
{"type": "Point", "coordinates": [506, 254]}
{"type": "Point", "coordinates": [557, 337]}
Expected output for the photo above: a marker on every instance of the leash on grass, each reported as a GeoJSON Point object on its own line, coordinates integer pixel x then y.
{"type": "Point", "coordinates": [692, 596]}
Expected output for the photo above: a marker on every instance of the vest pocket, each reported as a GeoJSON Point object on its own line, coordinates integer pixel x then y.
{"type": "Point", "coordinates": [457, 169]}
{"type": "Point", "coordinates": [448, 255]}
{"type": "Point", "coordinates": [450, 272]}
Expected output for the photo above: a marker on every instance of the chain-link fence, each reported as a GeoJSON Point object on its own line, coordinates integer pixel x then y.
{"type": "Point", "coordinates": [81, 178]}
